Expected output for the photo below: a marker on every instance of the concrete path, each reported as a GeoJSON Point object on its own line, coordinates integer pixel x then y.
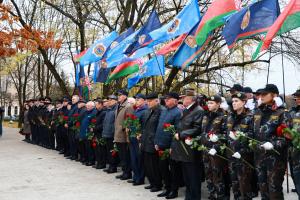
{"type": "Point", "coordinates": [30, 172]}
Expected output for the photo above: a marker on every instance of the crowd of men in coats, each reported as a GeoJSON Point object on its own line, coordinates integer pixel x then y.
{"type": "Point", "coordinates": [93, 134]}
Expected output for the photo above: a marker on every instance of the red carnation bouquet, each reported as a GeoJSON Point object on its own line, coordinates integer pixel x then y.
{"type": "Point", "coordinates": [114, 150]}
{"type": "Point", "coordinates": [47, 122]}
{"type": "Point", "coordinates": [91, 134]}
{"type": "Point", "coordinates": [164, 154]}
{"type": "Point", "coordinates": [170, 127]}
{"type": "Point", "coordinates": [291, 134]}
{"type": "Point", "coordinates": [41, 120]}
{"type": "Point", "coordinates": [75, 120]}
{"type": "Point", "coordinates": [132, 121]}
{"type": "Point", "coordinates": [22, 131]}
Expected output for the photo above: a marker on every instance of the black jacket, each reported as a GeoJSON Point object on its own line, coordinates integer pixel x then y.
{"type": "Point", "coordinates": [100, 115]}
{"type": "Point", "coordinates": [81, 113]}
{"type": "Point", "coordinates": [189, 126]}
{"type": "Point", "coordinates": [109, 122]}
{"type": "Point", "coordinates": [30, 113]}
{"type": "Point", "coordinates": [148, 131]}
{"type": "Point", "coordinates": [2, 110]}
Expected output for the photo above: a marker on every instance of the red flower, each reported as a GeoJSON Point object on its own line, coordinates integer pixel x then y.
{"type": "Point", "coordinates": [279, 131]}
{"type": "Point", "coordinates": [289, 123]}
{"type": "Point", "coordinates": [113, 153]}
{"type": "Point", "coordinates": [134, 117]}
{"type": "Point", "coordinates": [160, 153]}
{"type": "Point", "coordinates": [94, 121]}
{"type": "Point", "coordinates": [54, 117]}
{"type": "Point", "coordinates": [127, 115]}
{"type": "Point", "coordinates": [211, 133]}
{"type": "Point", "coordinates": [78, 124]}
{"type": "Point", "coordinates": [283, 126]}
{"type": "Point", "coordinates": [131, 115]}
{"type": "Point", "coordinates": [94, 144]}
{"type": "Point", "coordinates": [61, 112]}
{"type": "Point", "coordinates": [188, 138]}
{"type": "Point", "coordinates": [38, 117]}
{"type": "Point", "coordinates": [135, 107]}
{"type": "Point", "coordinates": [166, 125]}
{"type": "Point", "coordinates": [74, 115]}
{"type": "Point", "coordinates": [234, 132]}
{"type": "Point", "coordinates": [94, 140]}
{"type": "Point", "coordinates": [46, 119]}
{"type": "Point", "coordinates": [205, 107]}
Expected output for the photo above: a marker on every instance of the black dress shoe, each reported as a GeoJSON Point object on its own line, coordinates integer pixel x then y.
{"type": "Point", "coordinates": [78, 160]}
{"type": "Point", "coordinates": [172, 195]}
{"type": "Point", "coordinates": [131, 181]}
{"type": "Point", "coordinates": [73, 158]}
{"type": "Point", "coordinates": [61, 152]}
{"type": "Point", "coordinates": [95, 166]}
{"type": "Point", "coordinates": [155, 189]}
{"type": "Point", "coordinates": [120, 176]}
{"type": "Point", "coordinates": [69, 157]}
{"type": "Point", "coordinates": [148, 187]}
{"type": "Point", "coordinates": [83, 160]}
{"type": "Point", "coordinates": [164, 193]}
{"type": "Point", "coordinates": [111, 171]}
{"type": "Point", "coordinates": [138, 183]}
{"type": "Point", "coordinates": [106, 170]}
{"type": "Point", "coordinates": [126, 177]}
{"type": "Point", "coordinates": [90, 163]}
{"type": "Point", "coordinates": [100, 167]}
{"type": "Point", "coordinates": [294, 190]}
{"type": "Point", "coordinates": [254, 194]}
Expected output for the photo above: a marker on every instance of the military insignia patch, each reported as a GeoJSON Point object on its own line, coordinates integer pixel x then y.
{"type": "Point", "coordinates": [143, 71]}
{"type": "Point", "coordinates": [191, 41]}
{"type": "Point", "coordinates": [239, 95]}
{"type": "Point", "coordinates": [142, 39]}
{"type": "Point", "coordinates": [113, 45]}
{"type": "Point", "coordinates": [212, 98]}
{"type": "Point", "coordinates": [246, 20]}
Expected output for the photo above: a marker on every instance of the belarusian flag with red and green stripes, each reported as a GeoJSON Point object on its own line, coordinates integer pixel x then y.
{"type": "Point", "coordinates": [288, 20]}
{"type": "Point", "coordinates": [78, 57]}
{"type": "Point", "coordinates": [126, 69]}
{"type": "Point", "coordinates": [212, 19]}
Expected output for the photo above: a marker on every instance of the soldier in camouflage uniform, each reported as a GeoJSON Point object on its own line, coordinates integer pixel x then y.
{"type": "Point", "coordinates": [214, 166]}
{"type": "Point", "coordinates": [295, 161]}
{"type": "Point", "coordinates": [270, 166]}
{"type": "Point", "coordinates": [241, 119]}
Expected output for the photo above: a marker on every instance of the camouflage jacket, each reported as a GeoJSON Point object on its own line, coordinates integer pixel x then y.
{"type": "Point", "coordinates": [295, 120]}
{"type": "Point", "coordinates": [214, 122]}
{"type": "Point", "coordinates": [266, 122]}
{"type": "Point", "coordinates": [243, 123]}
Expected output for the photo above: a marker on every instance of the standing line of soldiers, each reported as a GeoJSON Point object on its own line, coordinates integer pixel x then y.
{"type": "Point", "coordinates": [191, 139]}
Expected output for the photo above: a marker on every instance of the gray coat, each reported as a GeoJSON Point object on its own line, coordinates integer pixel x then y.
{"type": "Point", "coordinates": [26, 126]}
{"type": "Point", "coordinates": [189, 126]}
{"type": "Point", "coordinates": [150, 122]}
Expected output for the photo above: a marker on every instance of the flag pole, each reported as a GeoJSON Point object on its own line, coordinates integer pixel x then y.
{"type": "Point", "coordinates": [269, 67]}
{"type": "Point", "coordinates": [282, 71]}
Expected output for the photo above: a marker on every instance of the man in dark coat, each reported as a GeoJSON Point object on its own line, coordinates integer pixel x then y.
{"type": "Point", "coordinates": [65, 140]}
{"type": "Point", "coordinates": [73, 146]}
{"type": "Point", "coordinates": [100, 149]}
{"type": "Point", "coordinates": [48, 130]}
{"type": "Point", "coordinates": [148, 131]}
{"type": "Point", "coordinates": [170, 169]}
{"type": "Point", "coordinates": [81, 146]}
{"type": "Point", "coordinates": [84, 130]}
{"type": "Point", "coordinates": [42, 132]}
{"type": "Point", "coordinates": [2, 110]}
{"type": "Point", "coordinates": [56, 126]}
{"type": "Point", "coordinates": [136, 157]}
{"type": "Point", "coordinates": [189, 126]}
{"type": "Point", "coordinates": [109, 133]}
{"type": "Point", "coordinates": [35, 121]}
{"type": "Point", "coordinates": [30, 119]}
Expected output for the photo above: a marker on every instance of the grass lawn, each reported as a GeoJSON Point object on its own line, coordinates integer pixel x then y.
{"type": "Point", "coordinates": [6, 123]}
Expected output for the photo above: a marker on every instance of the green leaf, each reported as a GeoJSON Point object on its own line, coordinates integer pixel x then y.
{"type": "Point", "coordinates": [244, 139]}
{"type": "Point", "coordinates": [255, 142]}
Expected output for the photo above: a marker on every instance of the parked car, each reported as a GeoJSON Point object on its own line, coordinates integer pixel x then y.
{"type": "Point", "coordinates": [15, 118]}
{"type": "Point", "coordinates": [7, 118]}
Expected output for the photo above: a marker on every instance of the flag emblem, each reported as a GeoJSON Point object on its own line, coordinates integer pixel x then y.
{"type": "Point", "coordinates": [140, 62]}
{"type": "Point", "coordinates": [114, 44]}
{"type": "Point", "coordinates": [191, 41]}
{"type": "Point", "coordinates": [143, 71]}
{"type": "Point", "coordinates": [127, 45]}
{"type": "Point", "coordinates": [174, 27]}
{"type": "Point", "coordinates": [142, 39]}
{"type": "Point", "coordinates": [104, 64]}
{"type": "Point", "coordinates": [99, 49]}
{"type": "Point", "coordinates": [246, 20]}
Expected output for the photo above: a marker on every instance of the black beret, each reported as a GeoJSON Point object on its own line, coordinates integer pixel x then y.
{"type": "Point", "coordinates": [152, 96]}
{"type": "Point", "coordinates": [240, 95]}
{"type": "Point", "coordinates": [82, 101]}
{"type": "Point", "coordinates": [215, 98]}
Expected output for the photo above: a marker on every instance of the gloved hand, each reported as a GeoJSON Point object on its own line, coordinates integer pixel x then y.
{"type": "Point", "coordinates": [212, 152]}
{"type": "Point", "coordinates": [237, 155]}
{"type": "Point", "coordinates": [268, 146]}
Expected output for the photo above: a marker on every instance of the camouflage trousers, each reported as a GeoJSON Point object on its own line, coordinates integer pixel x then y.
{"type": "Point", "coordinates": [296, 168]}
{"type": "Point", "coordinates": [241, 174]}
{"type": "Point", "coordinates": [214, 174]}
{"type": "Point", "coordinates": [270, 170]}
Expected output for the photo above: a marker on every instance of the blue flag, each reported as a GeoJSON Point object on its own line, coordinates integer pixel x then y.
{"type": "Point", "coordinates": [143, 38]}
{"type": "Point", "coordinates": [119, 39]}
{"type": "Point", "coordinates": [255, 19]}
{"type": "Point", "coordinates": [97, 50]}
{"type": "Point", "coordinates": [137, 54]}
{"type": "Point", "coordinates": [103, 72]}
{"type": "Point", "coordinates": [188, 50]}
{"type": "Point", "coordinates": [188, 17]}
{"type": "Point", "coordinates": [155, 66]}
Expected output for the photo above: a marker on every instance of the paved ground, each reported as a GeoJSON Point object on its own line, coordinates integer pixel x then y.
{"type": "Point", "coordinates": [31, 172]}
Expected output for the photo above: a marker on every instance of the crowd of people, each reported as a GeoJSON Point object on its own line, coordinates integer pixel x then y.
{"type": "Point", "coordinates": [177, 140]}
